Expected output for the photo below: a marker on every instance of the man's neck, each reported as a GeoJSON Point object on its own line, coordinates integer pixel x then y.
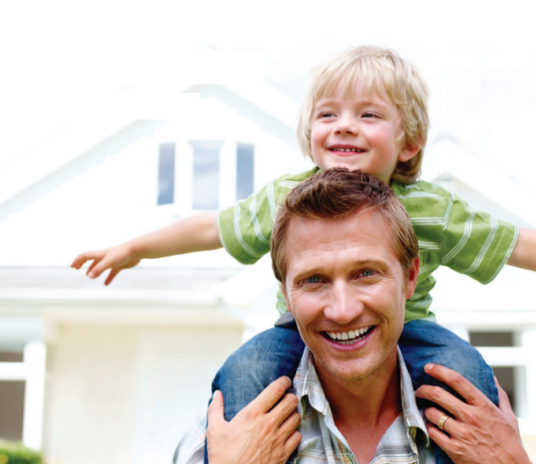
{"type": "Point", "coordinates": [364, 409]}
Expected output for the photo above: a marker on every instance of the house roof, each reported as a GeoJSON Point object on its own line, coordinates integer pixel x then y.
{"type": "Point", "coordinates": [445, 161]}
{"type": "Point", "coordinates": [76, 148]}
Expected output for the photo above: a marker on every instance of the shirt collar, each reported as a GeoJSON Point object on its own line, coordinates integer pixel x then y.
{"type": "Point", "coordinates": [309, 391]}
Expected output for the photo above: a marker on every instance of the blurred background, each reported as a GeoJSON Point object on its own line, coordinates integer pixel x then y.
{"type": "Point", "coordinates": [121, 117]}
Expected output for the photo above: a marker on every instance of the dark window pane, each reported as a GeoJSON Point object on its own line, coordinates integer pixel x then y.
{"type": "Point", "coordinates": [206, 182]}
{"type": "Point", "coordinates": [12, 409]}
{"type": "Point", "coordinates": [245, 169]}
{"type": "Point", "coordinates": [11, 356]}
{"type": "Point", "coordinates": [166, 174]}
{"type": "Point", "coordinates": [491, 338]}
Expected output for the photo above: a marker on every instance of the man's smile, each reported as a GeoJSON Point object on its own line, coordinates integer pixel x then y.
{"type": "Point", "coordinates": [350, 337]}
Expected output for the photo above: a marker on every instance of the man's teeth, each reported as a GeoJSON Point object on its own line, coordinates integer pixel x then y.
{"type": "Point", "coordinates": [358, 150]}
{"type": "Point", "coordinates": [349, 335]}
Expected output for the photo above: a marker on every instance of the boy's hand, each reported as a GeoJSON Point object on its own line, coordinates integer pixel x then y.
{"type": "Point", "coordinates": [479, 431]}
{"type": "Point", "coordinates": [258, 434]}
{"type": "Point", "coordinates": [116, 258]}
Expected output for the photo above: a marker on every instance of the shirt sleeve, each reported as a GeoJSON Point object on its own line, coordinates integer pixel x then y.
{"type": "Point", "coordinates": [245, 228]}
{"type": "Point", "coordinates": [191, 449]}
{"type": "Point", "coordinates": [475, 243]}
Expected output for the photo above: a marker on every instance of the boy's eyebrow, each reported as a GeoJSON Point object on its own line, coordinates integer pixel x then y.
{"type": "Point", "coordinates": [327, 101]}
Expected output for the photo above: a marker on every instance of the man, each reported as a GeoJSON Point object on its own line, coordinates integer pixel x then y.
{"type": "Point", "coordinates": [347, 257]}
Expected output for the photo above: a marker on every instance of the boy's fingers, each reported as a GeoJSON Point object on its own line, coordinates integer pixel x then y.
{"type": "Point", "coordinates": [284, 408]}
{"type": "Point", "coordinates": [457, 382]}
{"type": "Point", "coordinates": [79, 261]}
{"type": "Point", "coordinates": [111, 276]}
{"type": "Point", "coordinates": [270, 395]}
{"type": "Point", "coordinates": [215, 409]}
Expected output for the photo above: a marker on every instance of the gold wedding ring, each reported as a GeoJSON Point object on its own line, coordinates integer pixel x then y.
{"type": "Point", "coordinates": [441, 423]}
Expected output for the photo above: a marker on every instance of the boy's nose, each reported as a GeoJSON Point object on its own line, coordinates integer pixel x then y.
{"type": "Point", "coordinates": [344, 305]}
{"type": "Point", "coordinates": [346, 126]}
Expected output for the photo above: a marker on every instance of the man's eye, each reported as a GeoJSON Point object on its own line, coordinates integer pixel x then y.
{"type": "Point", "coordinates": [313, 280]}
{"type": "Point", "coordinates": [367, 273]}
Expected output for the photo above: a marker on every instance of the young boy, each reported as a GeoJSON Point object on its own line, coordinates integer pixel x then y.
{"type": "Point", "coordinates": [366, 109]}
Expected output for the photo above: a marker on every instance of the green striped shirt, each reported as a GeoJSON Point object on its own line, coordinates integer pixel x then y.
{"type": "Point", "coordinates": [449, 231]}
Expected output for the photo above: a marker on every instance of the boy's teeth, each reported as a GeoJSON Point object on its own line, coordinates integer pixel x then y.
{"type": "Point", "coordinates": [348, 149]}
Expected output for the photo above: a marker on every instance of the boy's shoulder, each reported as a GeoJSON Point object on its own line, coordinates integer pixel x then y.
{"type": "Point", "coordinates": [420, 189]}
{"type": "Point", "coordinates": [291, 180]}
{"type": "Point", "coordinates": [423, 198]}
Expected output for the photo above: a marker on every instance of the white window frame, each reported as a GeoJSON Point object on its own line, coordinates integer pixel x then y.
{"type": "Point", "coordinates": [32, 371]}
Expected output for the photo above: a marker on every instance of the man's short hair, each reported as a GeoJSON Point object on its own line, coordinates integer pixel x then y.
{"type": "Point", "coordinates": [393, 78]}
{"type": "Point", "coordinates": [337, 193]}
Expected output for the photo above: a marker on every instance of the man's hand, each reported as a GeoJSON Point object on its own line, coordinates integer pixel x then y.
{"type": "Point", "coordinates": [116, 259]}
{"type": "Point", "coordinates": [479, 431]}
{"type": "Point", "coordinates": [257, 435]}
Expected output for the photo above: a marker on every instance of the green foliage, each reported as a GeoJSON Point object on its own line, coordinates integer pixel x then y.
{"type": "Point", "coordinates": [16, 453]}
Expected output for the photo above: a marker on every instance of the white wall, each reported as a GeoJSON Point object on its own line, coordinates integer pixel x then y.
{"type": "Point", "coordinates": [126, 394]}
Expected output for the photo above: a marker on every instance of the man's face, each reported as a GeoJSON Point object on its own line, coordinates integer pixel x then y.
{"type": "Point", "coordinates": [347, 290]}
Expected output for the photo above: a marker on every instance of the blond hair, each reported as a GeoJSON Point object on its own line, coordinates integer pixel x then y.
{"type": "Point", "coordinates": [337, 193]}
{"type": "Point", "coordinates": [381, 70]}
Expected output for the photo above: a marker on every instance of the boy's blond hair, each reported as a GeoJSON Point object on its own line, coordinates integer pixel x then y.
{"type": "Point", "coordinates": [381, 70]}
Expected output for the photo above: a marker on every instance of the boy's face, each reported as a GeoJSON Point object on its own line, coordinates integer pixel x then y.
{"type": "Point", "coordinates": [362, 131]}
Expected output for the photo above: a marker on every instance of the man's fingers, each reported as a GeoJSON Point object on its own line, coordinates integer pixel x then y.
{"type": "Point", "coordinates": [457, 382]}
{"type": "Point", "coordinates": [290, 424]}
{"type": "Point", "coordinates": [269, 396]}
{"type": "Point", "coordinates": [284, 408]}
{"type": "Point", "coordinates": [215, 409]}
{"type": "Point", "coordinates": [439, 438]}
{"type": "Point", "coordinates": [504, 401]}
{"type": "Point", "coordinates": [292, 443]}
{"type": "Point", "coordinates": [441, 397]}
{"type": "Point", "coordinates": [434, 416]}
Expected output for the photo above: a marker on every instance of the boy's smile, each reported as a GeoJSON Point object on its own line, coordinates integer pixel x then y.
{"type": "Point", "coordinates": [358, 131]}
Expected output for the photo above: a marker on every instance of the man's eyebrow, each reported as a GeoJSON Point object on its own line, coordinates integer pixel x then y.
{"type": "Point", "coordinates": [357, 263]}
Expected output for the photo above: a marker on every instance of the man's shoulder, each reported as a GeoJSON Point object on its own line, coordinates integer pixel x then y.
{"type": "Point", "coordinates": [191, 448]}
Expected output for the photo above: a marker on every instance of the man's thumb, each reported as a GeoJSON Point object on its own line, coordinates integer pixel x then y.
{"type": "Point", "coordinates": [215, 410]}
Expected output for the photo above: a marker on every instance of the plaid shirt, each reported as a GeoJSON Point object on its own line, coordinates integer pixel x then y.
{"type": "Point", "coordinates": [406, 441]}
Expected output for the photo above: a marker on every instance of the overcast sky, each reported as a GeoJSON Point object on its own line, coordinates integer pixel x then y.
{"type": "Point", "coordinates": [479, 58]}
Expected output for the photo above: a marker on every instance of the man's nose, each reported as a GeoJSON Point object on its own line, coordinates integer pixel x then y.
{"type": "Point", "coordinates": [345, 303]}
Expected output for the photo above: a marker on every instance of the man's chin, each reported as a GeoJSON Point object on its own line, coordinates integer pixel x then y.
{"type": "Point", "coordinates": [350, 370]}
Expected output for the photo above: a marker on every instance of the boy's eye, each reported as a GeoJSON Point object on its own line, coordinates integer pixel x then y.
{"type": "Point", "coordinates": [369, 115]}
{"type": "Point", "coordinates": [327, 115]}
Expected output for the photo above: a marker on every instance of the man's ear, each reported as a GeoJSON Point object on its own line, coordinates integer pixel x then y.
{"type": "Point", "coordinates": [284, 290]}
{"type": "Point", "coordinates": [409, 151]}
{"type": "Point", "coordinates": [413, 275]}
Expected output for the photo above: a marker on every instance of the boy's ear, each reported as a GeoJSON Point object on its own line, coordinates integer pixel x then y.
{"type": "Point", "coordinates": [409, 151]}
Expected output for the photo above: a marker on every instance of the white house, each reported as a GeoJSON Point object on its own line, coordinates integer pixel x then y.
{"type": "Point", "coordinates": [95, 374]}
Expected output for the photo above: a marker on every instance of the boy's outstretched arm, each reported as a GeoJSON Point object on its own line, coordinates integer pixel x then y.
{"type": "Point", "coordinates": [524, 253]}
{"type": "Point", "coordinates": [195, 233]}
